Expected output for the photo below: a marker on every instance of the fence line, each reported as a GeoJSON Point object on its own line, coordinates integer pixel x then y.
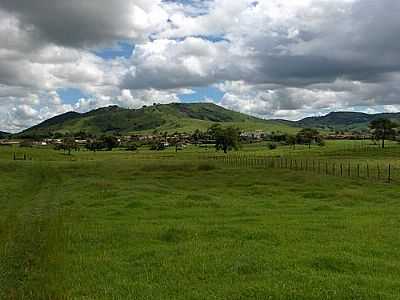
{"type": "Point", "coordinates": [23, 156]}
{"type": "Point", "coordinates": [378, 172]}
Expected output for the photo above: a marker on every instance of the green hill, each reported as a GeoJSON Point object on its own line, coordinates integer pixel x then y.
{"type": "Point", "coordinates": [4, 135]}
{"type": "Point", "coordinates": [187, 117]}
{"type": "Point", "coordinates": [176, 117]}
{"type": "Point", "coordinates": [347, 121]}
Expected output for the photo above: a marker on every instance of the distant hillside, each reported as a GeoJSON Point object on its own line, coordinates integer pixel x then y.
{"type": "Point", "coordinates": [4, 135]}
{"type": "Point", "coordinates": [187, 117]}
{"type": "Point", "coordinates": [176, 117]}
{"type": "Point", "coordinates": [348, 121]}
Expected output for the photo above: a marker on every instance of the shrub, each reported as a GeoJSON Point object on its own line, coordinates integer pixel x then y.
{"type": "Point", "coordinates": [26, 144]}
{"type": "Point", "coordinates": [157, 146]}
{"type": "Point", "coordinates": [132, 147]}
{"type": "Point", "coordinates": [272, 146]}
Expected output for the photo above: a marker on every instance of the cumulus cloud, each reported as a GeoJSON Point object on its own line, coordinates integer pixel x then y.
{"type": "Point", "coordinates": [166, 64]}
{"type": "Point", "coordinates": [79, 23]}
{"type": "Point", "coordinates": [270, 58]}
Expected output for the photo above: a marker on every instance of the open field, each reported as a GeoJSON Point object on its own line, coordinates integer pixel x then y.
{"type": "Point", "coordinates": [148, 225]}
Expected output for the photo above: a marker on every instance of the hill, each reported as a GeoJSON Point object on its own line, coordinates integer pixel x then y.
{"type": "Point", "coordinates": [187, 117]}
{"type": "Point", "coordinates": [347, 121]}
{"type": "Point", "coordinates": [176, 117]}
{"type": "Point", "coordinates": [4, 135]}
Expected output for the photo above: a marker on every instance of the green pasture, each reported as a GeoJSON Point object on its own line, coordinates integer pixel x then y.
{"type": "Point", "coordinates": [166, 225]}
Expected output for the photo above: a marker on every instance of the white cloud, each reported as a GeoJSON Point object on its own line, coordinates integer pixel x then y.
{"type": "Point", "coordinates": [271, 58]}
{"type": "Point", "coordinates": [166, 64]}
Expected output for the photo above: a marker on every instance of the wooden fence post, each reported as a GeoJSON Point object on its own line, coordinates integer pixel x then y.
{"type": "Point", "coordinates": [379, 172]}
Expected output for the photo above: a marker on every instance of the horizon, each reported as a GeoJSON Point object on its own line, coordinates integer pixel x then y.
{"type": "Point", "coordinates": [276, 119]}
{"type": "Point", "coordinates": [280, 60]}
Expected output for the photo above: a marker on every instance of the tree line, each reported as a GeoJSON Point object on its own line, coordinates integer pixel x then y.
{"type": "Point", "coordinates": [225, 138]}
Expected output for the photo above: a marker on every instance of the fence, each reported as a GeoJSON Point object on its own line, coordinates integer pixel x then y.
{"type": "Point", "coordinates": [24, 156]}
{"type": "Point", "coordinates": [375, 172]}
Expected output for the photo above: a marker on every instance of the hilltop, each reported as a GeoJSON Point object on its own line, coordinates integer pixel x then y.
{"type": "Point", "coordinates": [187, 117]}
{"type": "Point", "coordinates": [347, 121]}
{"type": "Point", "coordinates": [4, 135]}
{"type": "Point", "coordinates": [176, 117]}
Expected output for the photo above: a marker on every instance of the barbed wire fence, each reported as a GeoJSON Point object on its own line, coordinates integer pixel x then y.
{"type": "Point", "coordinates": [378, 172]}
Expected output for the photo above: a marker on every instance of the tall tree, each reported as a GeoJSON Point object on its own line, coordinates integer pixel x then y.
{"type": "Point", "coordinates": [383, 129]}
{"type": "Point", "coordinates": [308, 136]}
{"type": "Point", "coordinates": [110, 142]}
{"type": "Point", "coordinates": [226, 139]}
{"type": "Point", "coordinates": [291, 140]}
{"type": "Point", "coordinates": [69, 144]}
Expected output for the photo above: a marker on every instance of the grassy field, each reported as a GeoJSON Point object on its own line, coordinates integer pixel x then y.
{"type": "Point", "coordinates": [148, 225]}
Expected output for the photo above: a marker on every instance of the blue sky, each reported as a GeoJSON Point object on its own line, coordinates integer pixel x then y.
{"type": "Point", "coordinates": [70, 95]}
{"type": "Point", "coordinates": [277, 58]}
{"type": "Point", "coordinates": [125, 50]}
{"type": "Point", "coordinates": [203, 93]}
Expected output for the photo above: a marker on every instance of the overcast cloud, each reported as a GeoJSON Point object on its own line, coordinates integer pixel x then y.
{"type": "Point", "coordinates": [270, 58]}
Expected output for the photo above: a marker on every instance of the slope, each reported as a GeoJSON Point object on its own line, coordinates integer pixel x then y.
{"type": "Point", "coordinates": [176, 117]}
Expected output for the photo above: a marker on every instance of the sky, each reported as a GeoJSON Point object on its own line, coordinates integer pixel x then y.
{"type": "Point", "coordinates": [269, 58]}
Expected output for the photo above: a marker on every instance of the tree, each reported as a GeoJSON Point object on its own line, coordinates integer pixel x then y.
{"type": "Point", "coordinates": [308, 136]}
{"type": "Point", "coordinates": [226, 139]}
{"type": "Point", "coordinates": [110, 142]}
{"type": "Point", "coordinates": [197, 136]}
{"type": "Point", "coordinates": [68, 144]}
{"type": "Point", "coordinates": [383, 129]}
{"type": "Point", "coordinates": [291, 140]}
{"type": "Point", "coordinates": [26, 143]}
{"type": "Point", "coordinates": [132, 147]}
{"type": "Point", "coordinates": [157, 146]}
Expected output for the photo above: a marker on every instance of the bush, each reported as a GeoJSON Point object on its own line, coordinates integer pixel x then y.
{"type": "Point", "coordinates": [157, 146]}
{"type": "Point", "coordinates": [132, 147]}
{"type": "Point", "coordinates": [272, 146]}
{"type": "Point", "coordinates": [26, 144]}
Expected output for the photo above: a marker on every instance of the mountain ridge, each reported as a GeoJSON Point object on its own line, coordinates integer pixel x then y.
{"type": "Point", "coordinates": [344, 120]}
{"type": "Point", "coordinates": [187, 117]}
{"type": "Point", "coordinates": [4, 134]}
{"type": "Point", "coordinates": [174, 117]}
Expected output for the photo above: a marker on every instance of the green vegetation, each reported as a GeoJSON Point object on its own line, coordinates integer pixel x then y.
{"type": "Point", "coordinates": [346, 121]}
{"type": "Point", "coordinates": [166, 225]}
{"type": "Point", "coordinates": [383, 129]}
{"type": "Point", "coordinates": [187, 118]}
{"type": "Point", "coordinates": [182, 117]}
{"type": "Point", "coordinates": [226, 139]}
{"type": "Point", "coordinates": [3, 135]}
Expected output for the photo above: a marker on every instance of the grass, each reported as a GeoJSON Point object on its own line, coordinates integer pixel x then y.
{"type": "Point", "coordinates": [173, 226]}
{"type": "Point", "coordinates": [169, 117]}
